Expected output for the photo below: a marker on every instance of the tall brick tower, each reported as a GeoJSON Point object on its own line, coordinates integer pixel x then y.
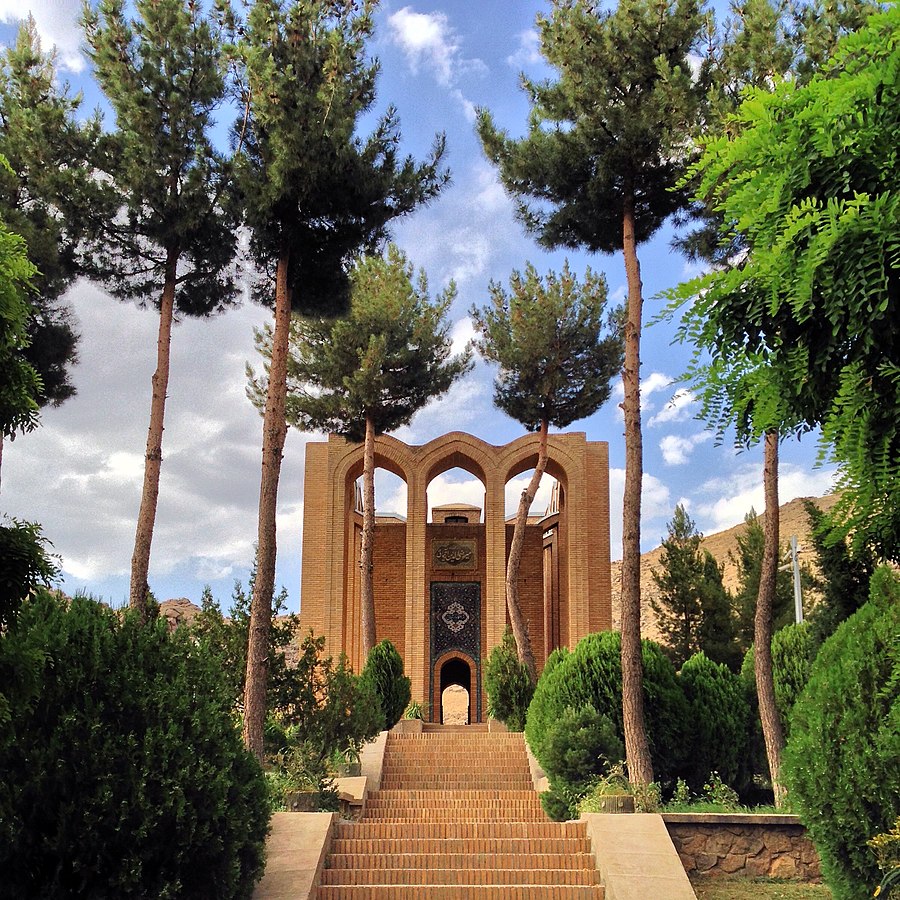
{"type": "Point", "coordinates": [439, 586]}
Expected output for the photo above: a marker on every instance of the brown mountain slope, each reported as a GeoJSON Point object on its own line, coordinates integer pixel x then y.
{"type": "Point", "coordinates": [720, 545]}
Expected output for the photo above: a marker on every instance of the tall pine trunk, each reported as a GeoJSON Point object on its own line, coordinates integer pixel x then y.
{"type": "Point", "coordinates": [367, 598]}
{"type": "Point", "coordinates": [514, 563]}
{"type": "Point", "coordinates": [140, 558]}
{"type": "Point", "coordinates": [637, 750]}
{"type": "Point", "coordinates": [763, 622]}
{"type": "Point", "coordinates": [274, 432]}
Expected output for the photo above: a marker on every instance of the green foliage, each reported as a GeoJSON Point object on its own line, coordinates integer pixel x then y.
{"type": "Point", "coordinates": [845, 576]}
{"type": "Point", "coordinates": [227, 639]}
{"type": "Point", "coordinates": [313, 192]}
{"type": "Point", "coordinates": [121, 768]}
{"type": "Point", "coordinates": [694, 609]}
{"type": "Point", "coordinates": [547, 337]}
{"type": "Point", "coordinates": [163, 74]}
{"type": "Point", "coordinates": [24, 565]}
{"type": "Point", "coordinates": [749, 556]}
{"type": "Point", "coordinates": [802, 331]}
{"type": "Point", "coordinates": [387, 358]}
{"type": "Point", "coordinates": [508, 686]}
{"type": "Point", "coordinates": [591, 675]}
{"type": "Point", "coordinates": [794, 649]}
{"type": "Point", "coordinates": [20, 384]}
{"type": "Point", "coordinates": [610, 128]}
{"type": "Point", "coordinates": [557, 806]}
{"type": "Point", "coordinates": [385, 669]}
{"type": "Point", "coordinates": [719, 721]}
{"type": "Point", "coordinates": [840, 764]}
{"type": "Point", "coordinates": [49, 197]}
{"type": "Point", "coordinates": [580, 745]}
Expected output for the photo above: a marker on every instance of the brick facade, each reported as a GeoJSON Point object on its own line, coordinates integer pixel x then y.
{"type": "Point", "coordinates": [564, 581]}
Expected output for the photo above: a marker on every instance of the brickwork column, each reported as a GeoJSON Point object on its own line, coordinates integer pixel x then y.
{"type": "Point", "coordinates": [494, 598]}
{"type": "Point", "coordinates": [416, 661]}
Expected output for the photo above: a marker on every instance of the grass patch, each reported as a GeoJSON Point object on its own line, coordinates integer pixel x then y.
{"type": "Point", "coordinates": [714, 888]}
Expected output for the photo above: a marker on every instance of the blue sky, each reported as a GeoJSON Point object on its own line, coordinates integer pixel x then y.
{"type": "Point", "coordinates": [80, 473]}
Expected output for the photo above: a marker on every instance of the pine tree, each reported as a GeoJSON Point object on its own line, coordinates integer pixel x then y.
{"type": "Point", "coordinates": [598, 169]}
{"type": "Point", "coordinates": [370, 372]}
{"type": "Point", "coordinates": [555, 367]}
{"type": "Point", "coordinates": [679, 613]}
{"type": "Point", "coordinates": [314, 196]}
{"type": "Point", "coordinates": [171, 243]}
{"type": "Point", "coordinates": [718, 625]}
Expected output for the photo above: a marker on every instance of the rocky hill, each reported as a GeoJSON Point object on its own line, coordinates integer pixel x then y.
{"type": "Point", "coordinates": [721, 545]}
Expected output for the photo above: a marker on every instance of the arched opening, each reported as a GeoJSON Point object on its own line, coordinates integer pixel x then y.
{"type": "Point", "coordinates": [388, 559]}
{"type": "Point", "coordinates": [455, 692]}
{"type": "Point", "coordinates": [455, 497]}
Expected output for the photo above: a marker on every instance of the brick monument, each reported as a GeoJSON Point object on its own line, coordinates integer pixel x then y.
{"type": "Point", "coordinates": [440, 593]}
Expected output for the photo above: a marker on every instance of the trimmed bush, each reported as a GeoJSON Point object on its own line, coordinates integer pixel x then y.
{"type": "Point", "coordinates": [793, 650]}
{"type": "Point", "coordinates": [581, 745]}
{"type": "Point", "coordinates": [508, 686]}
{"type": "Point", "coordinates": [719, 721]}
{"type": "Point", "coordinates": [591, 675]}
{"type": "Point", "coordinates": [841, 763]}
{"type": "Point", "coordinates": [122, 772]}
{"type": "Point", "coordinates": [384, 668]}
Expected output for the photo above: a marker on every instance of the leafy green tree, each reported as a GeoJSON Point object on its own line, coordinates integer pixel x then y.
{"type": "Point", "coordinates": [171, 243]}
{"type": "Point", "coordinates": [801, 332]}
{"type": "Point", "coordinates": [227, 637]}
{"type": "Point", "coordinates": [598, 169]}
{"type": "Point", "coordinates": [370, 372]}
{"type": "Point", "coordinates": [556, 364]}
{"type": "Point", "coordinates": [693, 608]}
{"type": "Point", "coordinates": [20, 384]}
{"type": "Point", "coordinates": [844, 578]}
{"type": "Point", "coordinates": [507, 682]}
{"type": "Point", "coordinates": [25, 564]}
{"type": "Point", "coordinates": [48, 197]}
{"type": "Point", "coordinates": [314, 196]}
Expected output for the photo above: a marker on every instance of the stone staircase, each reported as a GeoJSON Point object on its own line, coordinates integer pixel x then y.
{"type": "Point", "coordinates": [457, 817]}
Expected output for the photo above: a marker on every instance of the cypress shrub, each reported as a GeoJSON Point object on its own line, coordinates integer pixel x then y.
{"type": "Point", "coordinates": [793, 650]}
{"type": "Point", "coordinates": [841, 763]}
{"type": "Point", "coordinates": [719, 722]}
{"type": "Point", "coordinates": [508, 686]}
{"type": "Point", "coordinates": [122, 772]}
{"type": "Point", "coordinates": [591, 675]}
{"type": "Point", "coordinates": [384, 670]}
{"type": "Point", "coordinates": [581, 745]}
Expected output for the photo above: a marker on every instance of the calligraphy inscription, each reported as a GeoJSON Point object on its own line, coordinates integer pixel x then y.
{"type": "Point", "coordinates": [453, 554]}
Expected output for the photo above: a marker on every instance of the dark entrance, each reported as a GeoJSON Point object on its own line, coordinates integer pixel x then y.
{"type": "Point", "coordinates": [456, 671]}
{"type": "Point", "coordinates": [456, 640]}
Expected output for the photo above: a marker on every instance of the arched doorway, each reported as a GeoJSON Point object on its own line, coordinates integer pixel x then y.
{"type": "Point", "coordinates": [455, 689]}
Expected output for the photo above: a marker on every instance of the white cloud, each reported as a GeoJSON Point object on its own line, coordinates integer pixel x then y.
{"type": "Point", "coordinates": [677, 409]}
{"type": "Point", "coordinates": [529, 50]}
{"type": "Point", "coordinates": [677, 450]}
{"type": "Point", "coordinates": [57, 25]}
{"type": "Point", "coordinates": [429, 41]}
{"type": "Point", "coordinates": [729, 499]}
{"type": "Point", "coordinates": [461, 334]}
{"type": "Point", "coordinates": [514, 488]}
{"type": "Point", "coordinates": [655, 381]}
{"type": "Point", "coordinates": [656, 504]}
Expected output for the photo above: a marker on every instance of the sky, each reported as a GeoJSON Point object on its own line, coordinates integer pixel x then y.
{"type": "Point", "coordinates": [80, 473]}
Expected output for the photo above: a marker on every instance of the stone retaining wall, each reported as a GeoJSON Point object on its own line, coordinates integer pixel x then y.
{"type": "Point", "coordinates": [734, 844]}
